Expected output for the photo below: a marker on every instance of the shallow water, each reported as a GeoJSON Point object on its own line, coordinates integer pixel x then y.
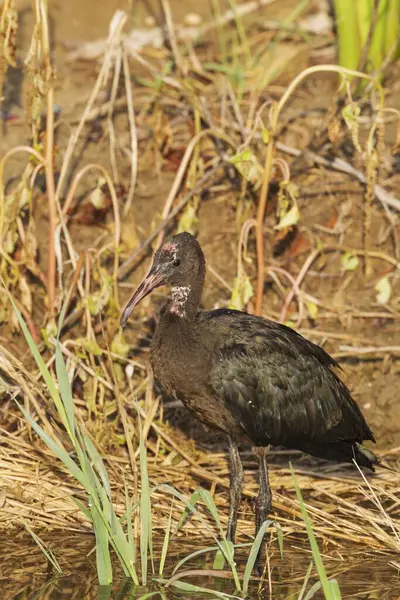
{"type": "Point", "coordinates": [25, 575]}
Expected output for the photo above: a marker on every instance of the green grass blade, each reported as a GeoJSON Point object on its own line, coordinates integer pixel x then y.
{"type": "Point", "coordinates": [335, 590]}
{"type": "Point", "coordinates": [145, 509]}
{"type": "Point", "coordinates": [223, 545]}
{"type": "Point", "coordinates": [189, 587]}
{"type": "Point", "coordinates": [255, 548]}
{"type": "Point", "coordinates": [376, 49]}
{"type": "Point", "coordinates": [348, 35]}
{"type": "Point", "coordinates": [329, 592]}
{"type": "Point", "coordinates": [54, 447]}
{"type": "Point", "coordinates": [222, 41]}
{"type": "Point", "coordinates": [129, 525]}
{"type": "Point", "coordinates": [153, 595]}
{"type": "Point", "coordinates": [392, 26]}
{"type": "Point", "coordinates": [46, 551]}
{"type": "Point", "coordinates": [193, 555]}
{"type": "Point", "coordinates": [219, 559]}
{"type": "Point", "coordinates": [189, 508]}
{"type": "Point", "coordinates": [124, 551]}
{"type": "Point", "coordinates": [62, 375]}
{"type": "Point", "coordinates": [51, 386]}
{"type": "Point", "coordinates": [313, 590]}
{"type": "Point", "coordinates": [83, 508]}
{"type": "Point", "coordinates": [104, 592]}
{"type": "Point", "coordinates": [202, 551]}
{"type": "Point", "coordinates": [200, 495]}
{"type": "Point", "coordinates": [226, 547]}
{"type": "Point", "coordinates": [97, 462]}
{"type": "Point", "coordinates": [241, 30]}
{"type": "Point", "coordinates": [363, 10]}
{"type": "Point", "coordinates": [164, 550]}
{"type": "Point", "coordinates": [103, 559]}
{"type": "Point", "coordinates": [65, 388]}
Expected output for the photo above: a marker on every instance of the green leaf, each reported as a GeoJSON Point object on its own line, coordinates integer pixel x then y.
{"type": "Point", "coordinates": [119, 345]}
{"type": "Point", "coordinates": [265, 135]}
{"type": "Point", "coordinates": [349, 261]}
{"type": "Point", "coordinates": [90, 346]}
{"type": "Point", "coordinates": [243, 156]}
{"type": "Point", "coordinates": [247, 165]}
{"type": "Point", "coordinates": [312, 309]}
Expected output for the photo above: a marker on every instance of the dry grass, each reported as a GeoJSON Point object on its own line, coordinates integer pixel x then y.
{"type": "Point", "coordinates": [37, 489]}
{"type": "Point", "coordinates": [207, 124]}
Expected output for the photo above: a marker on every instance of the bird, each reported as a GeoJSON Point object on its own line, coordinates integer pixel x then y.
{"type": "Point", "coordinates": [251, 378]}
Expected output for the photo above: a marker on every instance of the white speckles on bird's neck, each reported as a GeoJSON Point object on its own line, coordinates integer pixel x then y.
{"type": "Point", "coordinates": [180, 295]}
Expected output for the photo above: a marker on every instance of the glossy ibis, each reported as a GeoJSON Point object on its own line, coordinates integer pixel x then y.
{"type": "Point", "coordinates": [247, 376]}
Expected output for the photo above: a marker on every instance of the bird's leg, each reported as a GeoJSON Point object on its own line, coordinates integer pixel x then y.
{"type": "Point", "coordinates": [235, 488]}
{"type": "Point", "coordinates": [263, 502]}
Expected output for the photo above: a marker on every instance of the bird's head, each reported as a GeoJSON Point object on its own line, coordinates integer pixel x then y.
{"type": "Point", "coordinates": [179, 262]}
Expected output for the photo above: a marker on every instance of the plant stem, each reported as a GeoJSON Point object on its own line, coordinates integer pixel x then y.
{"type": "Point", "coordinates": [260, 225]}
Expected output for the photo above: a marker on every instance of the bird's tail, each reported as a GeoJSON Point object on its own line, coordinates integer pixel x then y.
{"type": "Point", "coordinates": [365, 457]}
{"type": "Point", "coordinates": [343, 452]}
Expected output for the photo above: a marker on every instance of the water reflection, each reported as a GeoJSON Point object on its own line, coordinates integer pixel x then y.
{"type": "Point", "coordinates": [25, 575]}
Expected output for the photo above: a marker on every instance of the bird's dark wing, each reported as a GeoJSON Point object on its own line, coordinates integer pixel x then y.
{"type": "Point", "coordinates": [279, 386]}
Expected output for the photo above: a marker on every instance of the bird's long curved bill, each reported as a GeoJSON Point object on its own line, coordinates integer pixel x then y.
{"type": "Point", "coordinates": [151, 281]}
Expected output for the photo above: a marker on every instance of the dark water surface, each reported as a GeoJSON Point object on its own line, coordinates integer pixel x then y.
{"type": "Point", "coordinates": [25, 574]}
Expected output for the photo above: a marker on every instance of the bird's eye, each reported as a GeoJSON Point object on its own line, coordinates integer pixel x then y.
{"type": "Point", "coordinates": [177, 262]}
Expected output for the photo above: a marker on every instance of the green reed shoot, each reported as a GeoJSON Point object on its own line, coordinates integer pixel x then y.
{"type": "Point", "coordinates": [366, 35]}
{"type": "Point", "coordinates": [330, 587]}
{"type": "Point", "coordinates": [87, 465]}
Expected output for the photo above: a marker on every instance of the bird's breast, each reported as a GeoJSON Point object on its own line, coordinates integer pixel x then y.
{"type": "Point", "coordinates": [179, 361]}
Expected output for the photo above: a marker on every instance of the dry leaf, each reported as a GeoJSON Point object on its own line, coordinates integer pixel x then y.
{"type": "Point", "coordinates": [290, 218]}
{"type": "Point", "coordinates": [384, 289]}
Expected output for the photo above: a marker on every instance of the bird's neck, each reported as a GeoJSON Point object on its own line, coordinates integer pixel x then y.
{"type": "Point", "coordinates": [186, 298]}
